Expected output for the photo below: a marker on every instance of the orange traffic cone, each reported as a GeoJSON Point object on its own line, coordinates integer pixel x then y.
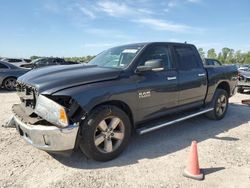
{"type": "Point", "coordinates": [193, 170]}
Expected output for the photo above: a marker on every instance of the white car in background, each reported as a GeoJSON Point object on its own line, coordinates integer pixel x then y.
{"type": "Point", "coordinates": [16, 61]}
{"type": "Point", "coordinates": [244, 68]}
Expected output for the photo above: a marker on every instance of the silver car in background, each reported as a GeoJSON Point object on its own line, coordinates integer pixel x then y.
{"type": "Point", "coordinates": [243, 79]}
{"type": "Point", "coordinates": [9, 74]}
{"type": "Point", "coordinates": [16, 61]}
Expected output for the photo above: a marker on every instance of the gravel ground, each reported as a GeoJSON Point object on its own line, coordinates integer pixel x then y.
{"type": "Point", "coordinates": [156, 159]}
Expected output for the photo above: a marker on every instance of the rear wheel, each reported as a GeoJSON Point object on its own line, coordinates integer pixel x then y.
{"type": "Point", "coordinates": [9, 83]}
{"type": "Point", "coordinates": [105, 133]}
{"type": "Point", "coordinates": [220, 105]}
{"type": "Point", "coordinates": [240, 90]}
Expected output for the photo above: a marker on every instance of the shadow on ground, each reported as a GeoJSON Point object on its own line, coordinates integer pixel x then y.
{"type": "Point", "coordinates": [2, 90]}
{"type": "Point", "coordinates": [167, 140]}
{"type": "Point", "coordinates": [207, 171]}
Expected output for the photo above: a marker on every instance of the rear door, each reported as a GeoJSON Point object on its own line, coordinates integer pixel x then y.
{"type": "Point", "coordinates": [192, 75]}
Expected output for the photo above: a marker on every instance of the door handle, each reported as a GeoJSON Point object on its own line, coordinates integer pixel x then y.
{"type": "Point", "coordinates": [171, 78]}
{"type": "Point", "coordinates": [203, 74]}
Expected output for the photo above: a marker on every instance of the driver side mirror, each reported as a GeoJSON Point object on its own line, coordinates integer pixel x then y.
{"type": "Point", "coordinates": [151, 65]}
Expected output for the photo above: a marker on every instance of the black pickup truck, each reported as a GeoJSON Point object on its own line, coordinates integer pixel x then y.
{"type": "Point", "coordinates": [132, 87]}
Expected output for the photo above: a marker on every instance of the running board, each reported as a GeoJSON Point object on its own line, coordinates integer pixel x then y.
{"type": "Point", "coordinates": [147, 129]}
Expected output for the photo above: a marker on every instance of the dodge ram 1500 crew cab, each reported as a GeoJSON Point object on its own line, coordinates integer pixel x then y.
{"type": "Point", "coordinates": [142, 86]}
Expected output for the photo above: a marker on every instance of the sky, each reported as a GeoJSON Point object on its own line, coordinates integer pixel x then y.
{"type": "Point", "coordinates": [67, 28]}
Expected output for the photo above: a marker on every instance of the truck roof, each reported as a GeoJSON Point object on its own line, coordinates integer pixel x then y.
{"type": "Point", "coordinates": [168, 43]}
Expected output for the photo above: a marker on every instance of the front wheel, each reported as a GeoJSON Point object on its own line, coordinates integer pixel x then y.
{"type": "Point", "coordinates": [220, 105]}
{"type": "Point", "coordinates": [9, 84]}
{"type": "Point", "coordinates": [105, 133]}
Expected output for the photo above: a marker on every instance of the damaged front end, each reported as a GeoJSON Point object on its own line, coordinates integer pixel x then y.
{"type": "Point", "coordinates": [47, 122]}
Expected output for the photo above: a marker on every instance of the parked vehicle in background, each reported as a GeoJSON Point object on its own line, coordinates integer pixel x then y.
{"type": "Point", "coordinates": [214, 62]}
{"type": "Point", "coordinates": [243, 79]}
{"type": "Point", "coordinates": [135, 86]}
{"type": "Point", "coordinates": [9, 74]}
{"type": "Point", "coordinates": [27, 60]}
{"type": "Point", "coordinates": [47, 61]}
{"type": "Point", "coordinates": [243, 68]}
{"type": "Point", "coordinates": [16, 61]}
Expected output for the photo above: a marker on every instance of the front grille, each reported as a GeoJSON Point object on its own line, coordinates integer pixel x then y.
{"type": "Point", "coordinates": [27, 95]}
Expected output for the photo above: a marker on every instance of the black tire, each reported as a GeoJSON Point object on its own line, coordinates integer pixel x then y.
{"type": "Point", "coordinates": [240, 90]}
{"type": "Point", "coordinates": [90, 129]}
{"type": "Point", "coordinates": [215, 114]}
{"type": "Point", "coordinates": [9, 83]}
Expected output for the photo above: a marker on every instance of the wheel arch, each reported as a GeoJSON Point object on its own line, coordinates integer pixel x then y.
{"type": "Point", "coordinates": [119, 104]}
{"type": "Point", "coordinates": [225, 86]}
{"type": "Point", "coordinates": [9, 77]}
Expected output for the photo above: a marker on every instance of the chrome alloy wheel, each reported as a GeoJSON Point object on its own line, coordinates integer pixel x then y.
{"type": "Point", "coordinates": [221, 105]}
{"type": "Point", "coordinates": [109, 134]}
{"type": "Point", "coordinates": [10, 84]}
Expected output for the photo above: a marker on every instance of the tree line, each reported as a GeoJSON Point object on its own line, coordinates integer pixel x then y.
{"type": "Point", "coordinates": [74, 59]}
{"type": "Point", "coordinates": [227, 55]}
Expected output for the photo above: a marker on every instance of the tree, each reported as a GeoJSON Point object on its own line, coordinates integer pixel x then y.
{"type": "Point", "coordinates": [201, 52]}
{"type": "Point", "coordinates": [220, 57]}
{"type": "Point", "coordinates": [231, 57]}
{"type": "Point", "coordinates": [224, 54]}
{"type": "Point", "coordinates": [34, 57]}
{"type": "Point", "coordinates": [88, 58]}
{"type": "Point", "coordinates": [247, 58]}
{"type": "Point", "coordinates": [84, 59]}
{"type": "Point", "coordinates": [239, 57]}
{"type": "Point", "coordinates": [211, 53]}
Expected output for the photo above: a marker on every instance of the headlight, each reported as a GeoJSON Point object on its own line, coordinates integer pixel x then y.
{"type": "Point", "coordinates": [51, 111]}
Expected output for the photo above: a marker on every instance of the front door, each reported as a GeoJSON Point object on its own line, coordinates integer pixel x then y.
{"type": "Point", "coordinates": [157, 90]}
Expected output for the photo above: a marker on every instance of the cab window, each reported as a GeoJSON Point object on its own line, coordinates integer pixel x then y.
{"type": "Point", "coordinates": [158, 52]}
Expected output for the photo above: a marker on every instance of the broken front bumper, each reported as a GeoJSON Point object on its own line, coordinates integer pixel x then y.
{"type": "Point", "coordinates": [47, 138]}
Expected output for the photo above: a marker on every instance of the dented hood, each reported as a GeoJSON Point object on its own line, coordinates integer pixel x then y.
{"type": "Point", "coordinates": [54, 78]}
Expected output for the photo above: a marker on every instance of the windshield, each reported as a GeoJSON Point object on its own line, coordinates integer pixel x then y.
{"type": "Point", "coordinates": [118, 57]}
